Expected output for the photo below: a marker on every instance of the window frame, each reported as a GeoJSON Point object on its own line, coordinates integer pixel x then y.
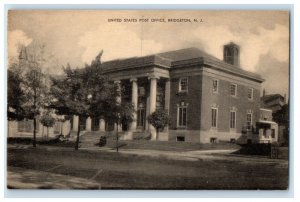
{"type": "Point", "coordinates": [230, 120]}
{"type": "Point", "coordinates": [180, 87]}
{"type": "Point", "coordinates": [251, 122]}
{"type": "Point", "coordinates": [179, 122]}
{"type": "Point", "coordinates": [216, 118]}
{"type": "Point", "coordinates": [235, 92]}
{"type": "Point", "coordinates": [252, 93]}
{"type": "Point", "coordinates": [217, 90]}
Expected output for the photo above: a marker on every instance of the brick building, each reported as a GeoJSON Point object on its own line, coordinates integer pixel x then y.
{"type": "Point", "coordinates": [208, 99]}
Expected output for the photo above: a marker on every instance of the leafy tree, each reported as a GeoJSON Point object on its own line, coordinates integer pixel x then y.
{"type": "Point", "coordinates": [282, 118]}
{"type": "Point", "coordinates": [71, 95]}
{"type": "Point", "coordinates": [15, 95]}
{"type": "Point", "coordinates": [27, 88]}
{"type": "Point", "coordinates": [48, 121]}
{"type": "Point", "coordinates": [34, 89]}
{"type": "Point", "coordinates": [159, 119]}
{"type": "Point", "coordinates": [103, 96]}
{"type": "Point", "coordinates": [88, 92]}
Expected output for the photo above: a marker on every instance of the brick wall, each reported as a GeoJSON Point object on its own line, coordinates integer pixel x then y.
{"type": "Point", "coordinates": [224, 102]}
{"type": "Point", "coordinates": [192, 97]}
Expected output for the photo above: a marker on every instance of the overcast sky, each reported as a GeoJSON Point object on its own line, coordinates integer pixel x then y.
{"type": "Point", "coordinates": [76, 37]}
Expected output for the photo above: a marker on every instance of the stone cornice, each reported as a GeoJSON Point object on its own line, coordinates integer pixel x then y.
{"type": "Point", "coordinates": [218, 65]}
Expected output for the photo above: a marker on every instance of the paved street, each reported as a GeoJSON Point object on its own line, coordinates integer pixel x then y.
{"type": "Point", "coordinates": [143, 169]}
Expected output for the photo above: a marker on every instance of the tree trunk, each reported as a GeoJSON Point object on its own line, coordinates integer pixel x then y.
{"type": "Point", "coordinates": [157, 133]}
{"type": "Point", "coordinates": [77, 138]}
{"type": "Point", "coordinates": [34, 132]}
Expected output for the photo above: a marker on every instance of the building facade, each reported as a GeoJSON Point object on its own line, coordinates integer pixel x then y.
{"type": "Point", "coordinates": [208, 100]}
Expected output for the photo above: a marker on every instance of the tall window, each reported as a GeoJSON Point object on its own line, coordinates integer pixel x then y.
{"type": "Point", "coordinates": [183, 84]}
{"type": "Point", "coordinates": [232, 119]}
{"type": "Point", "coordinates": [249, 121]}
{"type": "Point", "coordinates": [181, 116]}
{"type": "Point", "coordinates": [250, 93]}
{"type": "Point", "coordinates": [214, 117]}
{"type": "Point", "coordinates": [215, 85]}
{"type": "Point", "coordinates": [233, 89]}
{"type": "Point", "coordinates": [141, 117]}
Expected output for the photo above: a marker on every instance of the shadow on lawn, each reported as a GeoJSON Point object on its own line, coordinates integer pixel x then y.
{"type": "Point", "coordinates": [266, 150]}
{"type": "Point", "coordinates": [50, 142]}
{"type": "Point", "coordinates": [254, 149]}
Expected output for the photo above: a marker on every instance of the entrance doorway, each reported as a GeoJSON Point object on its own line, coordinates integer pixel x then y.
{"type": "Point", "coordinates": [95, 124]}
{"type": "Point", "coordinates": [141, 119]}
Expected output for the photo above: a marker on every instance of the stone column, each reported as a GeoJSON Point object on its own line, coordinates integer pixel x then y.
{"type": "Point", "coordinates": [152, 105]}
{"type": "Point", "coordinates": [75, 122]}
{"type": "Point", "coordinates": [88, 124]}
{"type": "Point", "coordinates": [102, 125]}
{"type": "Point", "coordinates": [134, 100]}
{"type": "Point", "coordinates": [167, 99]}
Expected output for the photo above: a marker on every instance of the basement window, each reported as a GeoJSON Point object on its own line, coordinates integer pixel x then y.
{"type": "Point", "coordinates": [213, 140]}
{"type": "Point", "coordinates": [180, 139]}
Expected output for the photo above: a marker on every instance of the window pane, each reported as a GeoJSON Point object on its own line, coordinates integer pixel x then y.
{"type": "Point", "coordinates": [233, 89]}
{"type": "Point", "coordinates": [249, 120]}
{"type": "Point", "coordinates": [180, 116]}
{"type": "Point", "coordinates": [184, 117]}
{"type": "Point", "coordinates": [215, 85]}
{"type": "Point", "coordinates": [214, 118]}
{"type": "Point", "coordinates": [250, 93]}
{"type": "Point", "coordinates": [232, 119]}
{"type": "Point", "coordinates": [183, 84]}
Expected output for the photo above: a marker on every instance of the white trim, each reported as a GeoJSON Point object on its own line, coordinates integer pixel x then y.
{"type": "Point", "coordinates": [178, 107]}
{"type": "Point", "coordinates": [252, 93]}
{"type": "Point", "coordinates": [235, 95]}
{"type": "Point", "coordinates": [264, 109]}
{"type": "Point", "coordinates": [234, 119]}
{"type": "Point", "coordinates": [251, 123]}
{"type": "Point", "coordinates": [187, 81]}
{"type": "Point", "coordinates": [218, 82]}
{"type": "Point", "coordinates": [216, 117]}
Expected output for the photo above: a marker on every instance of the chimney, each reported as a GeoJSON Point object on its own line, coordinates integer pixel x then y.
{"type": "Point", "coordinates": [231, 54]}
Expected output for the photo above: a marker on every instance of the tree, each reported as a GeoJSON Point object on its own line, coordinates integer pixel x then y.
{"type": "Point", "coordinates": [71, 96]}
{"type": "Point", "coordinates": [27, 89]}
{"type": "Point", "coordinates": [282, 118]}
{"type": "Point", "coordinates": [48, 121]}
{"type": "Point", "coordinates": [34, 97]}
{"type": "Point", "coordinates": [120, 112]}
{"type": "Point", "coordinates": [104, 95]}
{"type": "Point", "coordinates": [15, 95]}
{"type": "Point", "coordinates": [88, 92]}
{"type": "Point", "coordinates": [159, 119]}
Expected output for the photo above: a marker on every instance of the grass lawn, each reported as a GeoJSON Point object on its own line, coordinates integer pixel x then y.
{"type": "Point", "coordinates": [127, 171]}
{"type": "Point", "coordinates": [169, 145]}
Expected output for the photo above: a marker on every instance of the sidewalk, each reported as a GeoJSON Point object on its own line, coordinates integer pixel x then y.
{"type": "Point", "coordinates": [20, 178]}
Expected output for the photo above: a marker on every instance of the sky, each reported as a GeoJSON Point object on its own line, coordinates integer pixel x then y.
{"type": "Point", "coordinates": [76, 37]}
